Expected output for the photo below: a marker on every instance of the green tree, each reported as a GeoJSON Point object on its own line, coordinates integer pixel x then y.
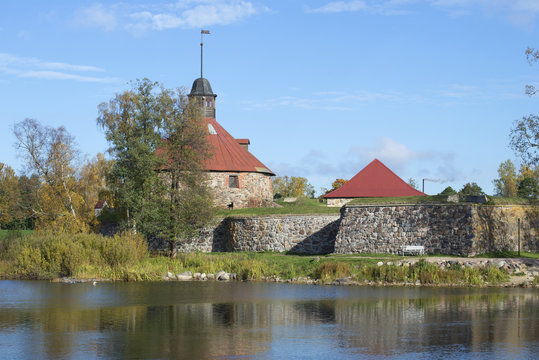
{"type": "Point", "coordinates": [158, 144]}
{"type": "Point", "coordinates": [525, 132]}
{"type": "Point", "coordinates": [471, 189]}
{"type": "Point", "coordinates": [506, 183]}
{"type": "Point", "coordinates": [528, 188]}
{"type": "Point", "coordinates": [412, 183]}
{"type": "Point", "coordinates": [292, 187]}
{"type": "Point", "coordinates": [448, 191]}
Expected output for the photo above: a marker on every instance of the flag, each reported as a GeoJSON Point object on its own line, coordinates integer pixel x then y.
{"type": "Point", "coordinates": [204, 31]}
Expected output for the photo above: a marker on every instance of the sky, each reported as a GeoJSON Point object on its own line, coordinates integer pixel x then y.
{"type": "Point", "coordinates": [321, 88]}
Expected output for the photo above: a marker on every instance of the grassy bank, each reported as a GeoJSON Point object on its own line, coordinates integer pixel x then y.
{"type": "Point", "coordinates": [84, 256]}
{"type": "Point", "coordinates": [301, 206]}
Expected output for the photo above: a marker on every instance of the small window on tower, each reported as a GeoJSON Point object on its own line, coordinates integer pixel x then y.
{"type": "Point", "coordinates": [233, 181]}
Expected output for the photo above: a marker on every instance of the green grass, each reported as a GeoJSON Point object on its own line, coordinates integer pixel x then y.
{"type": "Point", "coordinates": [4, 234]}
{"type": "Point", "coordinates": [509, 254]}
{"type": "Point", "coordinates": [124, 257]}
{"type": "Point", "coordinates": [300, 207]}
{"type": "Point", "coordinates": [434, 199]}
{"type": "Point", "coordinates": [495, 200]}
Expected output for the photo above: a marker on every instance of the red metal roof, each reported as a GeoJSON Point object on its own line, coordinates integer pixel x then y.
{"type": "Point", "coordinates": [228, 154]}
{"type": "Point", "coordinates": [243, 141]}
{"type": "Point", "coordinates": [375, 180]}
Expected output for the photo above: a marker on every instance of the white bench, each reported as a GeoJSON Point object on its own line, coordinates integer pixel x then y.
{"type": "Point", "coordinates": [413, 249]}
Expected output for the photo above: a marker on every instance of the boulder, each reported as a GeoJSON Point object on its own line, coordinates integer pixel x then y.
{"type": "Point", "coordinates": [185, 276]}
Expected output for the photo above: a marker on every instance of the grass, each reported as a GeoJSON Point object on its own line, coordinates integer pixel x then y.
{"type": "Point", "coordinates": [434, 199]}
{"type": "Point", "coordinates": [125, 257]}
{"type": "Point", "coordinates": [437, 199]}
{"type": "Point", "coordinates": [4, 234]}
{"type": "Point", "coordinates": [509, 254]}
{"type": "Point", "coordinates": [300, 207]}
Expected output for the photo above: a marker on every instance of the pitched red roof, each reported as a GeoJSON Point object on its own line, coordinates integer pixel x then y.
{"type": "Point", "coordinates": [375, 180]}
{"type": "Point", "coordinates": [228, 154]}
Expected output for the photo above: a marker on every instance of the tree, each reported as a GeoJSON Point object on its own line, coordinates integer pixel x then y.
{"type": "Point", "coordinates": [92, 183]}
{"type": "Point", "coordinates": [471, 189]}
{"type": "Point", "coordinates": [448, 191]}
{"type": "Point", "coordinates": [528, 182]}
{"type": "Point", "coordinates": [8, 193]}
{"type": "Point", "coordinates": [528, 188]}
{"type": "Point", "coordinates": [157, 143]}
{"type": "Point", "coordinates": [292, 187]}
{"type": "Point", "coordinates": [412, 183]}
{"type": "Point", "coordinates": [525, 132]}
{"type": "Point", "coordinates": [506, 184]}
{"type": "Point", "coordinates": [189, 200]}
{"type": "Point", "coordinates": [51, 154]}
{"type": "Point", "coordinates": [337, 184]}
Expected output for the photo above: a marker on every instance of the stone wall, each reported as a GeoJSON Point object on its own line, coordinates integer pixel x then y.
{"type": "Point", "coordinates": [254, 189]}
{"type": "Point", "coordinates": [338, 202]}
{"type": "Point", "coordinates": [461, 229]}
{"type": "Point", "coordinates": [304, 234]}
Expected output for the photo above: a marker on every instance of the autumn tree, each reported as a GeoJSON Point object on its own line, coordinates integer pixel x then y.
{"type": "Point", "coordinates": [92, 184]}
{"type": "Point", "coordinates": [293, 186]}
{"type": "Point", "coordinates": [506, 183]}
{"type": "Point", "coordinates": [51, 154]}
{"type": "Point", "coordinates": [157, 143]}
{"type": "Point", "coordinates": [337, 184]}
{"type": "Point", "coordinates": [8, 193]}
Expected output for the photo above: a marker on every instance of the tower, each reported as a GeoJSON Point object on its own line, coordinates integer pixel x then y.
{"type": "Point", "coordinates": [201, 91]}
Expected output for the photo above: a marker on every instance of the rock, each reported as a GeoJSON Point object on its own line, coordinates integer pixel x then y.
{"type": "Point", "coordinates": [379, 263]}
{"type": "Point", "coordinates": [499, 264]}
{"type": "Point", "coordinates": [170, 275]}
{"type": "Point", "coordinates": [196, 276]}
{"type": "Point", "coordinates": [211, 276]}
{"type": "Point", "coordinates": [222, 275]}
{"type": "Point", "coordinates": [315, 259]}
{"type": "Point", "coordinates": [342, 281]}
{"type": "Point", "coordinates": [417, 283]}
{"type": "Point", "coordinates": [203, 276]}
{"type": "Point", "coordinates": [185, 276]}
{"type": "Point", "coordinates": [389, 263]}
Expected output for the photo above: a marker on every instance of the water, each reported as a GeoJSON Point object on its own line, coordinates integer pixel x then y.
{"type": "Point", "coordinates": [206, 320]}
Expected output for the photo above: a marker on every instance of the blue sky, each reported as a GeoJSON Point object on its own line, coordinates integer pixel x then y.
{"type": "Point", "coordinates": [321, 88]}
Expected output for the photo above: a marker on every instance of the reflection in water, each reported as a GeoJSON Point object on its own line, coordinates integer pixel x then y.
{"type": "Point", "coordinates": [256, 320]}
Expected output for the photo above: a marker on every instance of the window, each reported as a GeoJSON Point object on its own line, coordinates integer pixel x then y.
{"type": "Point", "coordinates": [233, 181]}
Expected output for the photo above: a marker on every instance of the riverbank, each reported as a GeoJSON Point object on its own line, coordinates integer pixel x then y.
{"type": "Point", "coordinates": [85, 257]}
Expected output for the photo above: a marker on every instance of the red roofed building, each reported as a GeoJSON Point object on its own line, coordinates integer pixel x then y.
{"type": "Point", "coordinates": [237, 178]}
{"type": "Point", "coordinates": [375, 180]}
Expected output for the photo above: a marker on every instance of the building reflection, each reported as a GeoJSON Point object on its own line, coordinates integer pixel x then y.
{"type": "Point", "coordinates": [127, 323]}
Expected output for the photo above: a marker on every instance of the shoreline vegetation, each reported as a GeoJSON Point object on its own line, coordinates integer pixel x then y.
{"type": "Point", "coordinates": [124, 257]}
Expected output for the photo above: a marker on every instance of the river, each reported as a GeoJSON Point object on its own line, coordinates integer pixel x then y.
{"type": "Point", "coordinates": [250, 320]}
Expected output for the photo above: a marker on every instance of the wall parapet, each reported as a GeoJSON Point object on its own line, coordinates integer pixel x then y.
{"type": "Point", "coordinates": [452, 229]}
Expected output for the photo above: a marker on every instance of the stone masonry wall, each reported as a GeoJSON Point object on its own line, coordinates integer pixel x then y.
{"type": "Point", "coordinates": [462, 229]}
{"type": "Point", "coordinates": [254, 189]}
{"type": "Point", "coordinates": [304, 234]}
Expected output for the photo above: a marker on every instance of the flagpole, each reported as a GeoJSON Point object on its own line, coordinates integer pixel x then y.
{"type": "Point", "coordinates": [202, 32]}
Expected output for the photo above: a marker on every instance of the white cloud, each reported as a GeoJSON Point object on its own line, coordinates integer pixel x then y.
{"type": "Point", "coordinates": [29, 67]}
{"type": "Point", "coordinates": [520, 12]}
{"type": "Point", "coordinates": [96, 16]}
{"type": "Point", "coordinates": [182, 14]}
